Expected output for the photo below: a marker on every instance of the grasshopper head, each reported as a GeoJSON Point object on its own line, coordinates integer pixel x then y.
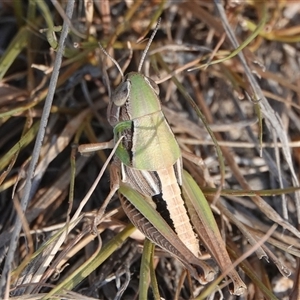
{"type": "Point", "coordinates": [135, 97]}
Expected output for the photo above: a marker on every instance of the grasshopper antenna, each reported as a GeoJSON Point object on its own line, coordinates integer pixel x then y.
{"type": "Point", "coordinates": [113, 60]}
{"type": "Point", "coordinates": [148, 45]}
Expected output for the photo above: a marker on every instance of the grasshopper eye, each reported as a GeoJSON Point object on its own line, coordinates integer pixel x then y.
{"type": "Point", "coordinates": [121, 93]}
{"type": "Point", "coordinates": [153, 84]}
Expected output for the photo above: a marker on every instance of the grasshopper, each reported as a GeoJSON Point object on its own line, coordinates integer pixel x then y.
{"type": "Point", "coordinates": [148, 172]}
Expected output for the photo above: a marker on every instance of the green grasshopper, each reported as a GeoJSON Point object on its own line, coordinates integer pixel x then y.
{"type": "Point", "coordinates": [147, 170]}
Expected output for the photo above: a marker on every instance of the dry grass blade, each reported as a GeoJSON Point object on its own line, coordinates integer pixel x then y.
{"type": "Point", "coordinates": [248, 94]}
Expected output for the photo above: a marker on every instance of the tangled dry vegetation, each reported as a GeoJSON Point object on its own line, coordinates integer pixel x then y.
{"type": "Point", "coordinates": [238, 60]}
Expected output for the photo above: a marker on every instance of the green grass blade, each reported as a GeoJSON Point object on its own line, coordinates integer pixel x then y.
{"type": "Point", "coordinates": [23, 142]}
{"type": "Point", "coordinates": [256, 31]}
{"type": "Point", "coordinates": [147, 272]}
{"type": "Point", "coordinates": [18, 43]}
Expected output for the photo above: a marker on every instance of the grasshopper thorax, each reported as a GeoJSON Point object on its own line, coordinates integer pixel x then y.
{"type": "Point", "coordinates": [135, 97]}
